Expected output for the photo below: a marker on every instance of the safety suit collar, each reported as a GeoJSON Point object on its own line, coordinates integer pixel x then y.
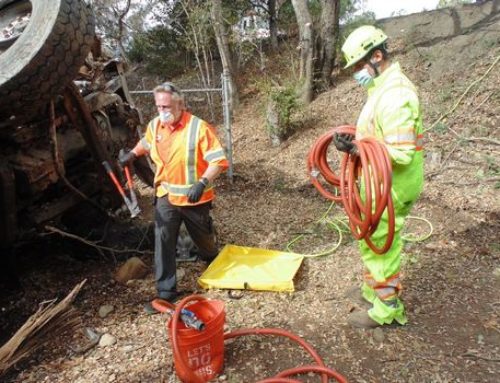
{"type": "Point", "coordinates": [377, 81]}
{"type": "Point", "coordinates": [179, 125]}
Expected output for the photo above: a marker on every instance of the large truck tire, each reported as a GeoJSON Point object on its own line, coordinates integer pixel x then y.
{"type": "Point", "coordinates": [46, 56]}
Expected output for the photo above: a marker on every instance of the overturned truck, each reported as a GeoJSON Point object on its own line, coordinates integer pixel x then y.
{"type": "Point", "coordinates": [64, 109]}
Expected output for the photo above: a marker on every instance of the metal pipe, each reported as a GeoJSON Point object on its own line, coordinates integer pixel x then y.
{"type": "Point", "coordinates": [183, 90]}
{"type": "Point", "coordinates": [227, 122]}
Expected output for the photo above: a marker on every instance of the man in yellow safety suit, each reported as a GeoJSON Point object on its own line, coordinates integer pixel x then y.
{"type": "Point", "coordinates": [392, 115]}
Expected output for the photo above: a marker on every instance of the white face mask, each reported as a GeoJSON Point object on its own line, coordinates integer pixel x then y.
{"type": "Point", "coordinates": [363, 77]}
{"type": "Point", "coordinates": [166, 117]}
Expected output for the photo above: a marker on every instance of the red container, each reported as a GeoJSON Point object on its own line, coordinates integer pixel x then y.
{"type": "Point", "coordinates": [202, 351]}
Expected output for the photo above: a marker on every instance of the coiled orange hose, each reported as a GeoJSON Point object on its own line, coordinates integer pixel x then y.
{"type": "Point", "coordinates": [363, 185]}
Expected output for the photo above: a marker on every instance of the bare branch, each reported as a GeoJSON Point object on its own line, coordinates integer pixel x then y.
{"type": "Point", "coordinates": [92, 243]}
{"type": "Point", "coordinates": [483, 139]}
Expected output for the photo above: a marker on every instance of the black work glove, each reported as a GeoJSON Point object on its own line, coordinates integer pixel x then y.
{"type": "Point", "coordinates": [126, 158]}
{"type": "Point", "coordinates": [195, 191]}
{"type": "Point", "coordinates": [343, 143]}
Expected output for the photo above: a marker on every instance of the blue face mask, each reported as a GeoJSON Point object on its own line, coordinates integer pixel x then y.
{"type": "Point", "coordinates": [363, 77]}
{"type": "Point", "coordinates": [166, 117]}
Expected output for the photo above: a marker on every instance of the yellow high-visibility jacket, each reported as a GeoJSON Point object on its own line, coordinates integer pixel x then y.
{"type": "Point", "coordinates": [392, 115]}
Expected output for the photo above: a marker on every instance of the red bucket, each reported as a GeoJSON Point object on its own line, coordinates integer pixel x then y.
{"type": "Point", "coordinates": [201, 352]}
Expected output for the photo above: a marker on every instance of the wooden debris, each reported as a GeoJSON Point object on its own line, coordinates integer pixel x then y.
{"type": "Point", "coordinates": [39, 329]}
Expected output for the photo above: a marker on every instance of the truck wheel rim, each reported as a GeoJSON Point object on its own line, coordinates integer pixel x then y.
{"type": "Point", "coordinates": [14, 18]}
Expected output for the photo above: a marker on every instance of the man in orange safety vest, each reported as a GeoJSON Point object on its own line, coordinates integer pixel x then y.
{"type": "Point", "coordinates": [188, 157]}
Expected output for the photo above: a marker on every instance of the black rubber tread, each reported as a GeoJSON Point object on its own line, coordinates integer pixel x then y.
{"type": "Point", "coordinates": [52, 62]}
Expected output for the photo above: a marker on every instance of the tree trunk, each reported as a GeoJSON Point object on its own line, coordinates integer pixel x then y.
{"type": "Point", "coordinates": [121, 17]}
{"type": "Point", "coordinates": [274, 122]}
{"type": "Point", "coordinates": [327, 41]}
{"type": "Point", "coordinates": [223, 46]}
{"type": "Point", "coordinates": [273, 25]}
{"type": "Point", "coordinates": [306, 49]}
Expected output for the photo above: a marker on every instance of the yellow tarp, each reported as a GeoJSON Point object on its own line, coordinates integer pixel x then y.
{"type": "Point", "coordinates": [238, 267]}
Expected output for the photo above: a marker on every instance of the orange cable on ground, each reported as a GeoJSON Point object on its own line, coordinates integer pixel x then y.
{"type": "Point", "coordinates": [363, 185]}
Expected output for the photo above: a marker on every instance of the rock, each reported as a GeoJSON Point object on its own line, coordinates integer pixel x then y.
{"type": "Point", "coordinates": [105, 310]}
{"type": "Point", "coordinates": [134, 268]}
{"type": "Point", "coordinates": [112, 378]}
{"type": "Point", "coordinates": [480, 339]}
{"type": "Point", "coordinates": [496, 273]}
{"type": "Point", "coordinates": [433, 160]}
{"type": "Point", "coordinates": [378, 335]}
{"type": "Point", "coordinates": [128, 348]}
{"type": "Point", "coordinates": [92, 334]}
{"type": "Point", "coordinates": [107, 340]}
{"type": "Point", "coordinates": [180, 274]}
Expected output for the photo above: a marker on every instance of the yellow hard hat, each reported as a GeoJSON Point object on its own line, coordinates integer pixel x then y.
{"type": "Point", "coordinates": [361, 41]}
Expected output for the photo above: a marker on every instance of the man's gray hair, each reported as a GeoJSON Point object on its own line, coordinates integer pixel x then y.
{"type": "Point", "coordinates": [168, 87]}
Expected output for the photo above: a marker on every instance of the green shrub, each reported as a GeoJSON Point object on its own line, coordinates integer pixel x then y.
{"type": "Point", "coordinates": [282, 101]}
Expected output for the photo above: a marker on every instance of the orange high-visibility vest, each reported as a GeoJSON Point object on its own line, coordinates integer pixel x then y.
{"type": "Point", "coordinates": [182, 153]}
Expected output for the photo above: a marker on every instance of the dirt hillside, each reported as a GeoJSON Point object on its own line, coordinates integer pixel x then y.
{"type": "Point", "coordinates": [451, 280]}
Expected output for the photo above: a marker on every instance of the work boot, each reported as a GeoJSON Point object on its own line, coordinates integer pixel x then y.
{"type": "Point", "coordinates": [354, 294]}
{"type": "Point", "coordinates": [361, 319]}
{"type": "Point", "coordinates": [149, 309]}
{"type": "Point", "coordinates": [169, 296]}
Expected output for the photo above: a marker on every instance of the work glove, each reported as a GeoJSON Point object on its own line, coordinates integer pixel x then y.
{"type": "Point", "coordinates": [194, 193]}
{"type": "Point", "coordinates": [343, 143]}
{"type": "Point", "coordinates": [126, 158]}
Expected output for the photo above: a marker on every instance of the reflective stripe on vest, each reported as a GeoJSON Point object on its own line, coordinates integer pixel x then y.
{"type": "Point", "coordinates": [405, 139]}
{"type": "Point", "coordinates": [191, 175]}
{"type": "Point", "coordinates": [191, 155]}
{"type": "Point", "coordinates": [215, 155]}
{"type": "Point", "coordinates": [145, 144]}
{"type": "Point", "coordinates": [180, 190]}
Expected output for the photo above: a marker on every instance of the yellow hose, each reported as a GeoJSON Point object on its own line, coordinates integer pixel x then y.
{"type": "Point", "coordinates": [331, 223]}
{"type": "Point", "coordinates": [340, 225]}
{"type": "Point", "coordinates": [410, 237]}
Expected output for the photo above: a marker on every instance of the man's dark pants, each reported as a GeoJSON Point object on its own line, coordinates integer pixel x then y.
{"type": "Point", "coordinates": [168, 219]}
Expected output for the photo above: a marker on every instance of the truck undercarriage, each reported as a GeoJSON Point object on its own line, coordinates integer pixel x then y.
{"type": "Point", "coordinates": [64, 108]}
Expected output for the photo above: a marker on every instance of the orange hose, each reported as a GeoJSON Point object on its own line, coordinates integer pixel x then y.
{"type": "Point", "coordinates": [280, 378]}
{"type": "Point", "coordinates": [373, 164]}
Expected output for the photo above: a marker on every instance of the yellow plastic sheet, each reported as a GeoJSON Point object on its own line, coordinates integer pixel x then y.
{"type": "Point", "coordinates": [238, 267]}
